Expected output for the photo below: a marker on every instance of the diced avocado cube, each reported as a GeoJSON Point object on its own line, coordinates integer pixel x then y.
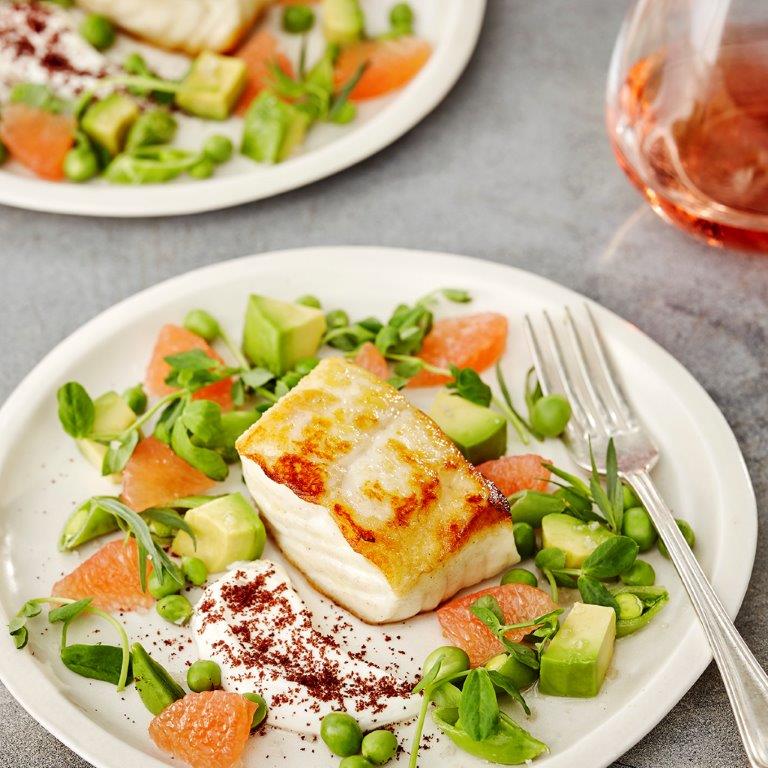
{"type": "Point", "coordinates": [112, 415]}
{"type": "Point", "coordinates": [521, 675]}
{"type": "Point", "coordinates": [272, 129]}
{"type": "Point", "coordinates": [479, 433]}
{"type": "Point", "coordinates": [578, 540]}
{"type": "Point", "coordinates": [575, 662]}
{"type": "Point", "coordinates": [343, 21]}
{"type": "Point", "coordinates": [107, 121]}
{"type": "Point", "coordinates": [226, 529]}
{"type": "Point", "coordinates": [212, 86]}
{"type": "Point", "coordinates": [278, 334]}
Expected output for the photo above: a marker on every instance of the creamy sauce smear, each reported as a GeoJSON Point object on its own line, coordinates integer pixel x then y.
{"type": "Point", "coordinates": [253, 623]}
{"type": "Point", "coordinates": [39, 44]}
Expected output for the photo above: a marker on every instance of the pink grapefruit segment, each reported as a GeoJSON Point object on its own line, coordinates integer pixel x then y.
{"type": "Point", "coordinates": [519, 603]}
{"type": "Point", "coordinates": [471, 341]}
{"type": "Point", "coordinates": [154, 476]}
{"type": "Point", "coordinates": [517, 473]}
{"type": "Point", "coordinates": [110, 577]}
{"type": "Point", "coordinates": [205, 730]}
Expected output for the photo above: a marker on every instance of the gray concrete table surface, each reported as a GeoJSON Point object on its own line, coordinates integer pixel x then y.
{"type": "Point", "coordinates": [513, 167]}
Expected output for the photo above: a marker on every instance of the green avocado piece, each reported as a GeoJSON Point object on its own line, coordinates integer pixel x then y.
{"type": "Point", "coordinates": [272, 129]}
{"type": "Point", "coordinates": [343, 21]}
{"type": "Point", "coordinates": [575, 662]}
{"type": "Point", "coordinates": [278, 334]}
{"type": "Point", "coordinates": [226, 529]}
{"type": "Point", "coordinates": [521, 675]}
{"type": "Point", "coordinates": [578, 540]}
{"type": "Point", "coordinates": [212, 86]}
{"type": "Point", "coordinates": [479, 433]}
{"type": "Point", "coordinates": [112, 415]}
{"type": "Point", "coordinates": [108, 121]}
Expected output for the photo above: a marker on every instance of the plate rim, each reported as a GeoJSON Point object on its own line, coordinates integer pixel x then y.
{"type": "Point", "coordinates": [104, 750]}
{"type": "Point", "coordinates": [409, 107]}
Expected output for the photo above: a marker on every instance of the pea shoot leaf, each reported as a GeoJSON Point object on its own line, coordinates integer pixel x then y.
{"type": "Point", "coordinates": [208, 461]}
{"type": "Point", "coordinates": [610, 558]}
{"type": "Point", "coordinates": [256, 377]}
{"type": "Point", "coordinates": [595, 593]}
{"type": "Point", "coordinates": [97, 662]}
{"type": "Point", "coordinates": [506, 685]}
{"type": "Point", "coordinates": [76, 410]}
{"type": "Point", "coordinates": [65, 613]}
{"type": "Point", "coordinates": [203, 420]}
{"type": "Point", "coordinates": [468, 385]}
{"type": "Point", "coordinates": [119, 452]}
{"type": "Point", "coordinates": [479, 707]}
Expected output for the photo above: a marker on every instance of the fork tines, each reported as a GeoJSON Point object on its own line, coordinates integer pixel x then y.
{"type": "Point", "coordinates": [570, 358]}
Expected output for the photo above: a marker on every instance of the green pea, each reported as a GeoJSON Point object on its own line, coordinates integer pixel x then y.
{"type": "Point", "coordinates": [204, 675]}
{"type": "Point", "coordinates": [641, 574]}
{"type": "Point", "coordinates": [218, 148]}
{"type": "Point", "coordinates": [136, 398]}
{"type": "Point", "coordinates": [202, 169]}
{"type": "Point", "coordinates": [3, 153]}
{"type": "Point", "coordinates": [379, 746]}
{"type": "Point", "coordinates": [261, 709]}
{"type": "Point", "coordinates": [401, 19]}
{"type": "Point", "coordinates": [202, 324]}
{"type": "Point", "coordinates": [194, 570]}
{"type": "Point", "coordinates": [355, 761]}
{"type": "Point", "coordinates": [688, 535]}
{"type": "Point", "coordinates": [308, 300]}
{"type": "Point", "coordinates": [175, 608]}
{"type": "Point", "coordinates": [337, 318]}
{"type": "Point", "coordinates": [162, 588]}
{"type": "Point", "coordinates": [298, 19]}
{"type": "Point", "coordinates": [81, 163]}
{"type": "Point", "coordinates": [637, 524]}
{"type": "Point", "coordinates": [525, 539]}
{"type": "Point", "coordinates": [630, 498]}
{"type": "Point", "coordinates": [157, 126]}
{"type": "Point", "coordinates": [552, 558]}
{"type": "Point", "coordinates": [452, 661]}
{"type": "Point", "coordinates": [520, 576]}
{"type": "Point", "coordinates": [98, 31]}
{"type": "Point", "coordinates": [630, 606]}
{"type": "Point", "coordinates": [341, 734]}
{"type": "Point", "coordinates": [550, 415]}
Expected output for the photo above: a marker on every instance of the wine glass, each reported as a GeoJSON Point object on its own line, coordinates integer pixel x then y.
{"type": "Point", "coordinates": [687, 113]}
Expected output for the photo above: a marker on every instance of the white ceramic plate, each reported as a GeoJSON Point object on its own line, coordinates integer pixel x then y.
{"type": "Point", "coordinates": [701, 473]}
{"type": "Point", "coordinates": [451, 26]}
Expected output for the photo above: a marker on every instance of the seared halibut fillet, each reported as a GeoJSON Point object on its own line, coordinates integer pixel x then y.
{"type": "Point", "coordinates": [366, 495]}
{"type": "Point", "coordinates": [182, 25]}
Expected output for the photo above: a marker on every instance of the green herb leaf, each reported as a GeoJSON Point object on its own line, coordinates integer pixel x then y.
{"type": "Point", "coordinates": [31, 608]}
{"type": "Point", "coordinates": [65, 613]}
{"type": "Point", "coordinates": [207, 461]}
{"type": "Point", "coordinates": [468, 384]}
{"type": "Point", "coordinates": [594, 593]}
{"type": "Point", "coordinates": [168, 417]}
{"type": "Point", "coordinates": [256, 377]}
{"type": "Point", "coordinates": [488, 610]}
{"type": "Point", "coordinates": [20, 637]}
{"type": "Point", "coordinates": [119, 452]}
{"type": "Point", "coordinates": [611, 558]}
{"type": "Point", "coordinates": [457, 295]}
{"type": "Point", "coordinates": [76, 410]}
{"type": "Point", "coordinates": [203, 419]}
{"type": "Point", "coordinates": [614, 490]}
{"type": "Point", "coordinates": [171, 518]}
{"type": "Point", "coordinates": [97, 662]}
{"type": "Point", "coordinates": [506, 685]}
{"type": "Point", "coordinates": [478, 708]}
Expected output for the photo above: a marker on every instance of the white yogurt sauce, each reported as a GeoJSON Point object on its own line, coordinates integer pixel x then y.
{"type": "Point", "coordinates": [253, 623]}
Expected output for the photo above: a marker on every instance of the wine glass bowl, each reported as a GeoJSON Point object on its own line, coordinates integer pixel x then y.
{"type": "Point", "coordinates": [687, 114]}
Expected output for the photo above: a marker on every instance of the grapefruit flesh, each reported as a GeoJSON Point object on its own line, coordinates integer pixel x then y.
{"type": "Point", "coordinates": [258, 52]}
{"type": "Point", "coordinates": [154, 476]}
{"type": "Point", "coordinates": [516, 473]}
{"type": "Point", "coordinates": [110, 577]}
{"type": "Point", "coordinates": [391, 64]}
{"type": "Point", "coordinates": [38, 139]}
{"type": "Point", "coordinates": [369, 357]}
{"type": "Point", "coordinates": [205, 730]}
{"type": "Point", "coordinates": [172, 340]}
{"type": "Point", "coordinates": [519, 602]}
{"type": "Point", "coordinates": [472, 341]}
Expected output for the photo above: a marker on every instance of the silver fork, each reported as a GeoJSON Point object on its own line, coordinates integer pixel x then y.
{"type": "Point", "coordinates": [575, 363]}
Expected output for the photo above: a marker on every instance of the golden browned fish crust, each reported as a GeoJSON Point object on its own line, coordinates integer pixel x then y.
{"type": "Point", "coordinates": [399, 490]}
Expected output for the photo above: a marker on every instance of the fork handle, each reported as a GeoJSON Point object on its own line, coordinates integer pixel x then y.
{"type": "Point", "coordinates": [745, 680]}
